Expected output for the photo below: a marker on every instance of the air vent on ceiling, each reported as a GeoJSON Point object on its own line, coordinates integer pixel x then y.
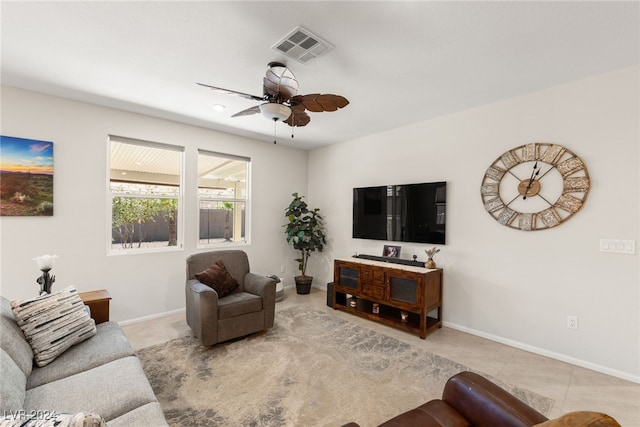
{"type": "Point", "coordinates": [302, 45]}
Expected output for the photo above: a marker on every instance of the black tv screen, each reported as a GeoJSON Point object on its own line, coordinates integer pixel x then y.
{"type": "Point", "coordinates": [401, 213]}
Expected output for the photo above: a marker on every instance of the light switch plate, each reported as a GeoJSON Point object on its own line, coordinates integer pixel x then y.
{"type": "Point", "coordinates": [618, 246]}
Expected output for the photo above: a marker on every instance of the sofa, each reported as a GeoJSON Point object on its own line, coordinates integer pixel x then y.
{"type": "Point", "coordinates": [100, 376]}
{"type": "Point", "coordinates": [470, 400]}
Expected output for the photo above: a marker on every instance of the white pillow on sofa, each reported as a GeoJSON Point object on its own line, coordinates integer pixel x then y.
{"type": "Point", "coordinates": [53, 322]}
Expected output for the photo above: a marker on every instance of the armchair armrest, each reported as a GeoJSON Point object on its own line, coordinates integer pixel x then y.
{"type": "Point", "coordinates": [259, 285]}
{"type": "Point", "coordinates": [202, 311]}
{"type": "Point", "coordinates": [484, 403]}
{"type": "Point", "coordinates": [581, 418]}
{"type": "Point", "coordinates": [266, 288]}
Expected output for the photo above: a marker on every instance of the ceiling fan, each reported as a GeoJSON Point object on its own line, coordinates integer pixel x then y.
{"type": "Point", "coordinates": [281, 101]}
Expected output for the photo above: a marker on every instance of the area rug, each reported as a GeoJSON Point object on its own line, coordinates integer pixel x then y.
{"type": "Point", "coordinates": [310, 369]}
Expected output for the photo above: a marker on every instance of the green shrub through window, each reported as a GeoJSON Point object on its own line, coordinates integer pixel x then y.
{"type": "Point", "coordinates": [145, 185]}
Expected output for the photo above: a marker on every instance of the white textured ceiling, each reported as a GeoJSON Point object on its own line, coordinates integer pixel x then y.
{"type": "Point", "coordinates": [398, 62]}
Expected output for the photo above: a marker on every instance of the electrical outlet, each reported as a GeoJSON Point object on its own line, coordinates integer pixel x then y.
{"type": "Point", "coordinates": [572, 322]}
{"type": "Point", "coordinates": [282, 268]}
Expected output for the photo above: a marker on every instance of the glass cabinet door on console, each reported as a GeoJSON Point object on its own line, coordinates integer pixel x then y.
{"type": "Point", "coordinates": [346, 276]}
{"type": "Point", "coordinates": [408, 298]}
{"type": "Point", "coordinates": [405, 289]}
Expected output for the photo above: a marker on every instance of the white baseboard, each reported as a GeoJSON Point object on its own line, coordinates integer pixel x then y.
{"type": "Point", "coordinates": [558, 356]}
{"type": "Point", "coordinates": [151, 317]}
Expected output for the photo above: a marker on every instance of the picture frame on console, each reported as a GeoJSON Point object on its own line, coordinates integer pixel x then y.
{"type": "Point", "coordinates": [391, 251]}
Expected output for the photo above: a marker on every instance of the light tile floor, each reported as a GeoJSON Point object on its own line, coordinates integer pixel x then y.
{"type": "Point", "coordinates": [573, 388]}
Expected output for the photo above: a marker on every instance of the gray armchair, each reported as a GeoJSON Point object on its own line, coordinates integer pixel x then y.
{"type": "Point", "coordinates": [248, 309]}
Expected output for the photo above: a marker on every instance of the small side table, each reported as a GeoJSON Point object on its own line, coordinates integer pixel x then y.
{"type": "Point", "coordinates": [98, 302]}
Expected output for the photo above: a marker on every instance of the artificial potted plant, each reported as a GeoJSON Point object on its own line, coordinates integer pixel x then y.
{"type": "Point", "coordinates": [305, 231]}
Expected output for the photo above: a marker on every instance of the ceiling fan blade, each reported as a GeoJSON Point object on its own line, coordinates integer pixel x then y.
{"type": "Point", "coordinates": [280, 81]}
{"type": "Point", "coordinates": [248, 111]}
{"type": "Point", "coordinates": [318, 103]}
{"type": "Point", "coordinates": [233, 92]}
{"type": "Point", "coordinates": [298, 117]}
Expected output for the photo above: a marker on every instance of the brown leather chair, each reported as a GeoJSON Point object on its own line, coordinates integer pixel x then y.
{"type": "Point", "coordinates": [470, 400]}
{"type": "Point", "coordinates": [248, 309]}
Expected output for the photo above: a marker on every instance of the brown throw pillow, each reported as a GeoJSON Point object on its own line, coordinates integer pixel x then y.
{"type": "Point", "coordinates": [218, 278]}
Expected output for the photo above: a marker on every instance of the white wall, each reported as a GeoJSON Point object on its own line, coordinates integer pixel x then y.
{"type": "Point", "coordinates": [513, 286]}
{"type": "Point", "coordinates": [141, 284]}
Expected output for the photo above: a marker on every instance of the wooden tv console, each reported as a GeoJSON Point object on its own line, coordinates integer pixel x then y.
{"type": "Point", "coordinates": [415, 292]}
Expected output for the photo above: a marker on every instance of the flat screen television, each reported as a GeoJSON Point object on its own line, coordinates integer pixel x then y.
{"type": "Point", "coordinates": [401, 213]}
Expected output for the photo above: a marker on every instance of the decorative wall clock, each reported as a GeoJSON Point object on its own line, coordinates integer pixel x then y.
{"type": "Point", "coordinates": [535, 186]}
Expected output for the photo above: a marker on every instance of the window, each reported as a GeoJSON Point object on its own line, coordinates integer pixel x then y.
{"type": "Point", "coordinates": [145, 189]}
{"type": "Point", "coordinates": [222, 198]}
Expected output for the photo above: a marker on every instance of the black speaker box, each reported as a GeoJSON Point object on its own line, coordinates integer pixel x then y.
{"type": "Point", "coordinates": [330, 294]}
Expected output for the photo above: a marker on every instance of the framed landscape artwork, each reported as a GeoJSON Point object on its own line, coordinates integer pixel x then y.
{"type": "Point", "coordinates": [26, 177]}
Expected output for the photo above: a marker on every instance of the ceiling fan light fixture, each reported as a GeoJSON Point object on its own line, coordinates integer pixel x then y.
{"type": "Point", "coordinates": [275, 111]}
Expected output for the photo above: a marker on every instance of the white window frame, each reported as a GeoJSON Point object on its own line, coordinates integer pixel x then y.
{"type": "Point", "coordinates": [246, 200]}
{"type": "Point", "coordinates": [180, 197]}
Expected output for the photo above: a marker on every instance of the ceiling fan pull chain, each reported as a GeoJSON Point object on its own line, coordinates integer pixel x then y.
{"type": "Point", "coordinates": [291, 132]}
{"type": "Point", "coordinates": [275, 120]}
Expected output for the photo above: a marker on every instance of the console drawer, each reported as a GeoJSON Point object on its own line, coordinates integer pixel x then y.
{"type": "Point", "coordinates": [373, 291]}
{"type": "Point", "coordinates": [372, 275]}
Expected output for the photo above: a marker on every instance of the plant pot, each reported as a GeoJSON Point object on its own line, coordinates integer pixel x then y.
{"type": "Point", "coordinates": [303, 284]}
